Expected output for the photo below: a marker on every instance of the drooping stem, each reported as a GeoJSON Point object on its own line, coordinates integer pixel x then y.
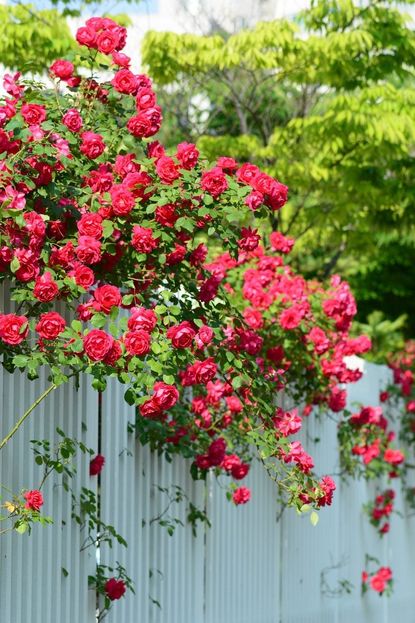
{"type": "Point", "coordinates": [26, 414]}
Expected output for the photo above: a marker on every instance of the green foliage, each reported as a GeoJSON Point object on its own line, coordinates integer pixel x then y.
{"type": "Point", "coordinates": [325, 103]}
{"type": "Point", "coordinates": [32, 38]}
{"type": "Point", "coordinates": [386, 335]}
{"type": "Point", "coordinates": [28, 37]}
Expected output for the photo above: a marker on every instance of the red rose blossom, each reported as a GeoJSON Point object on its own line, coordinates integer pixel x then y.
{"type": "Point", "coordinates": [142, 318]}
{"type": "Point", "coordinates": [13, 328]}
{"type": "Point", "coordinates": [62, 69]}
{"type": "Point", "coordinates": [124, 81]}
{"type": "Point", "coordinates": [92, 145]}
{"type": "Point", "coordinates": [143, 240]}
{"type": "Point", "coordinates": [214, 181]}
{"type": "Point", "coordinates": [34, 500]}
{"type": "Point", "coordinates": [97, 344]}
{"type": "Point", "coordinates": [242, 495]}
{"type": "Point", "coordinates": [114, 589]}
{"type": "Point", "coordinates": [182, 335]}
{"type": "Point", "coordinates": [50, 325]}
{"type": "Point", "coordinates": [33, 114]}
{"type": "Point", "coordinates": [107, 297]}
{"type": "Point", "coordinates": [165, 396]}
{"type": "Point", "coordinates": [46, 289]}
{"type": "Point", "coordinates": [96, 465]}
{"type": "Point", "coordinates": [137, 342]}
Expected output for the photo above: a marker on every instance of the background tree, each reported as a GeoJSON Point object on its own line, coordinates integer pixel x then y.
{"type": "Point", "coordinates": [325, 102]}
{"type": "Point", "coordinates": [32, 36]}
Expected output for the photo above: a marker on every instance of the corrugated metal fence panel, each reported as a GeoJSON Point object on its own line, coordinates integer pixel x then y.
{"type": "Point", "coordinates": [33, 585]}
{"type": "Point", "coordinates": [248, 568]}
{"type": "Point", "coordinates": [357, 537]}
{"type": "Point", "coordinates": [242, 555]}
{"type": "Point", "coordinates": [315, 561]}
{"type": "Point", "coordinates": [307, 551]}
{"type": "Point", "coordinates": [166, 570]}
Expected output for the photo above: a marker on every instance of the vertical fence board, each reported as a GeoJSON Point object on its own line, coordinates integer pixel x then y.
{"type": "Point", "coordinates": [165, 569]}
{"type": "Point", "coordinates": [242, 548]}
{"type": "Point", "coordinates": [31, 566]}
{"type": "Point", "coordinates": [310, 554]}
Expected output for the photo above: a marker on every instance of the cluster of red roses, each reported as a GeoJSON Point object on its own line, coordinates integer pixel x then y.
{"type": "Point", "coordinates": [380, 581]}
{"type": "Point", "coordinates": [380, 510]}
{"type": "Point", "coordinates": [402, 390]}
{"type": "Point", "coordinates": [365, 435]}
{"type": "Point", "coordinates": [374, 439]}
{"type": "Point", "coordinates": [106, 222]}
{"type": "Point", "coordinates": [297, 330]}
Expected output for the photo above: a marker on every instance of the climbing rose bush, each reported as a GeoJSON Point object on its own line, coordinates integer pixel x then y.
{"type": "Point", "coordinates": [127, 241]}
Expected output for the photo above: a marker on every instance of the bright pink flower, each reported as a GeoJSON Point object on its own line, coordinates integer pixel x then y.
{"type": "Point", "coordinates": [88, 250]}
{"type": "Point", "coordinates": [187, 154]}
{"type": "Point", "coordinates": [123, 200]}
{"type": "Point", "coordinates": [328, 486]}
{"type": "Point", "coordinates": [167, 170]}
{"type": "Point", "coordinates": [92, 145]}
{"type": "Point", "coordinates": [34, 499]}
{"type": "Point", "coordinates": [280, 243]}
{"type": "Point", "coordinates": [290, 318]}
{"type": "Point", "coordinates": [242, 495]}
{"type": "Point", "coordinates": [90, 224]}
{"type": "Point", "coordinates": [249, 239]}
{"type": "Point", "coordinates": [394, 457]}
{"type": "Point", "coordinates": [143, 240]}
{"type": "Point", "coordinates": [50, 325]}
{"type": "Point", "coordinates": [247, 173]}
{"type": "Point", "coordinates": [145, 123]}
{"type": "Point", "coordinates": [287, 422]}
{"type": "Point", "coordinates": [145, 98]}
{"type": "Point", "coordinates": [214, 181]}
{"type": "Point", "coordinates": [46, 289]}
{"type": "Point", "coordinates": [124, 81]}
{"type": "Point", "coordinates": [254, 200]}
{"type": "Point", "coordinates": [72, 120]}
{"type": "Point", "coordinates": [216, 452]}
{"type": "Point", "coordinates": [13, 329]}
{"type": "Point", "coordinates": [165, 396]}
{"type": "Point", "coordinates": [142, 318]}
{"type": "Point", "coordinates": [166, 215]}
{"type": "Point", "coordinates": [107, 297]}
{"type": "Point", "coordinates": [62, 69]}
{"type": "Point", "coordinates": [337, 399]}
{"type": "Point", "coordinates": [97, 344]}
{"type": "Point", "coordinates": [137, 342]}
{"type": "Point", "coordinates": [33, 114]}
{"type": "Point", "coordinates": [181, 335]}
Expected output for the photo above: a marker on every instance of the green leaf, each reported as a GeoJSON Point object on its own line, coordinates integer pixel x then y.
{"type": "Point", "coordinates": [20, 361]}
{"type": "Point", "coordinates": [314, 518]}
{"type": "Point", "coordinates": [14, 265]}
{"type": "Point", "coordinates": [76, 326]}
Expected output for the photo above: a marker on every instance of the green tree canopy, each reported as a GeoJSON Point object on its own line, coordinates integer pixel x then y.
{"type": "Point", "coordinates": [325, 102]}
{"type": "Point", "coordinates": [31, 38]}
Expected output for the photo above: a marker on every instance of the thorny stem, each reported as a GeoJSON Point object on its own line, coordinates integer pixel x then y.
{"type": "Point", "coordinates": [26, 414]}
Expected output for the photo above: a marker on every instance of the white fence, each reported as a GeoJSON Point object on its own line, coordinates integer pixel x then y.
{"type": "Point", "coordinates": [247, 568]}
